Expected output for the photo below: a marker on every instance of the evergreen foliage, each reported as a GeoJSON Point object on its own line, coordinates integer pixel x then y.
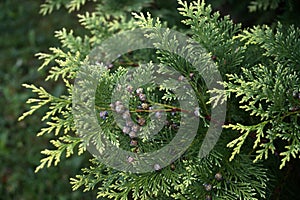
{"type": "Point", "coordinates": [260, 69]}
{"type": "Point", "coordinates": [265, 5]}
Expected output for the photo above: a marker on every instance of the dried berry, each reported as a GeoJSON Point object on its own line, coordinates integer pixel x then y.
{"type": "Point", "coordinates": [157, 167]}
{"type": "Point", "coordinates": [191, 75]}
{"type": "Point", "coordinates": [197, 112]}
{"type": "Point", "coordinates": [119, 108]}
{"type": "Point", "coordinates": [103, 114]}
{"type": "Point", "coordinates": [126, 115]}
{"type": "Point", "coordinates": [130, 159]}
{"type": "Point", "coordinates": [133, 143]}
{"type": "Point", "coordinates": [208, 197]}
{"type": "Point", "coordinates": [139, 90]}
{"type": "Point", "coordinates": [135, 128]}
{"type": "Point", "coordinates": [141, 121]}
{"type": "Point", "coordinates": [129, 88]}
{"type": "Point", "coordinates": [207, 187]}
{"type": "Point", "coordinates": [142, 97]}
{"type": "Point", "coordinates": [174, 126]}
{"type": "Point", "coordinates": [158, 115]}
{"type": "Point", "coordinates": [145, 106]}
{"type": "Point", "coordinates": [118, 103]}
{"type": "Point", "coordinates": [172, 166]}
{"type": "Point", "coordinates": [112, 106]}
{"type": "Point", "coordinates": [126, 129]}
{"type": "Point", "coordinates": [181, 78]}
{"type": "Point", "coordinates": [218, 176]}
{"type": "Point", "coordinates": [132, 134]}
{"type": "Point", "coordinates": [110, 66]}
{"type": "Point", "coordinates": [129, 123]}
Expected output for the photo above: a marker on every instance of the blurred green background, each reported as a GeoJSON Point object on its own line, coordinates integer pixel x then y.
{"type": "Point", "coordinates": [23, 33]}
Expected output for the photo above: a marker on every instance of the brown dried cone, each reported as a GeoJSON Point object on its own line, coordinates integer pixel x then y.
{"type": "Point", "coordinates": [172, 166]}
{"type": "Point", "coordinates": [214, 57]}
{"type": "Point", "coordinates": [133, 143]}
{"type": "Point", "coordinates": [145, 106]}
{"type": "Point", "coordinates": [142, 97]}
{"type": "Point", "coordinates": [218, 176]}
{"type": "Point", "coordinates": [141, 121]}
{"type": "Point", "coordinates": [157, 167]}
{"type": "Point", "coordinates": [130, 159]}
{"type": "Point", "coordinates": [207, 187]}
{"type": "Point", "coordinates": [132, 134]}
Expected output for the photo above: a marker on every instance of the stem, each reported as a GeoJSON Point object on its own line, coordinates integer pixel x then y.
{"type": "Point", "coordinates": [173, 108]}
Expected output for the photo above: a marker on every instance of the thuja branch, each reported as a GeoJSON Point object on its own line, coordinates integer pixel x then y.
{"type": "Point", "coordinates": [169, 109]}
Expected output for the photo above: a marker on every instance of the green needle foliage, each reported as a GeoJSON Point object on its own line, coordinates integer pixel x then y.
{"type": "Point", "coordinates": [260, 69]}
{"type": "Point", "coordinates": [265, 5]}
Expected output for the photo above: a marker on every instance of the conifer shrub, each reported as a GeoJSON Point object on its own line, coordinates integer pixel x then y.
{"type": "Point", "coordinates": [112, 105]}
